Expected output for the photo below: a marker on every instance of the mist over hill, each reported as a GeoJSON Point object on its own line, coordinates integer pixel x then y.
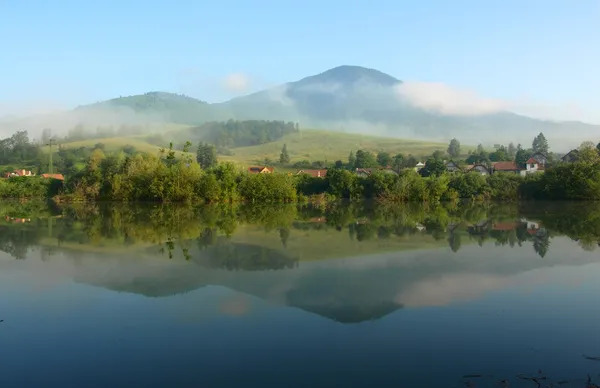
{"type": "Point", "coordinates": [351, 99]}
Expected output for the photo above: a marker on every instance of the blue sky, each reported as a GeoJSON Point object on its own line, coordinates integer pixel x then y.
{"type": "Point", "coordinates": [69, 52]}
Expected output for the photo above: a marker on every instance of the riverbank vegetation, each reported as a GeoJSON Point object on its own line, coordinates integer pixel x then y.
{"type": "Point", "coordinates": [175, 174]}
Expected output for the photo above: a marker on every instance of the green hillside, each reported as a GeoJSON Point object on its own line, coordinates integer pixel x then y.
{"type": "Point", "coordinates": [308, 144]}
{"type": "Point", "coordinates": [331, 146]}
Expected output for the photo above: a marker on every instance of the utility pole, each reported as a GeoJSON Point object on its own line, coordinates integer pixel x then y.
{"type": "Point", "coordinates": [50, 165]}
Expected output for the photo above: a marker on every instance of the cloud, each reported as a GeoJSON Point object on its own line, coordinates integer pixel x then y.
{"type": "Point", "coordinates": [450, 100]}
{"type": "Point", "coordinates": [445, 99]}
{"type": "Point", "coordinates": [237, 82]}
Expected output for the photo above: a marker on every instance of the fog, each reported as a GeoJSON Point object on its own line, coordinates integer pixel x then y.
{"type": "Point", "coordinates": [432, 111]}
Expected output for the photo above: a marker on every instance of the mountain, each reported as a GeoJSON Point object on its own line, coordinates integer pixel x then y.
{"type": "Point", "coordinates": [345, 98]}
{"type": "Point", "coordinates": [358, 99]}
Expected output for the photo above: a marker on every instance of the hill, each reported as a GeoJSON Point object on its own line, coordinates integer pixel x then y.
{"type": "Point", "coordinates": [308, 144]}
{"type": "Point", "coordinates": [329, 146]}
{"type": "Point", "coordinates": [346, 98]}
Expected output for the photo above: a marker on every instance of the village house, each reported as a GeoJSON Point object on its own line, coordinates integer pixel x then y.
{"type": "Point", "coordinates": [571, 156]}
{"type": "Point", "coordinates": [532, 165]}
{"type": "Point", "coordinates": [313, 173]}
{"type": "Point", "coordinates": [260, 170]}
{"type": "Point", "coordinates": [419, 166]}
{"type": "Point", "coordinates": [365, 172]}
{"type": "Point", "coordinates": [59, 177]}
{"type": "Point", "coordinates": [18, 173]}
{"type": "Point", "coordinates": [452, 166]}
{"type": "Point", "coordinates": [540, 158]}
{"type": "Point", "coordinates": [510, 167]}
{"type": "Point", "coordinates": [480, 168]}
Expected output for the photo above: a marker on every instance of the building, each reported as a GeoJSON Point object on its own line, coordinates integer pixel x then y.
{"type": "Point", "coordinates": [480, 168]}
{"type": "Point", "coordinates": [452, 166]}
{"type": "Point", "coordinates": [571, 157]}
{"type": "Point", "coordinates": [18, 173]}
{"type": "Point", "coordinates": [540, 158]}
{"type": "Point", "coordinates": [419, 166]}
{"type": "Point", "coordinates": [59, 177]}
{"type": "Point", "coordinates": [365, 172]}
{"type": "Point", "coordinates": [510, 167]}
{"type": "Point", "coordinates": [532, 166]}
{"type": "Point", "coordinates": [313, 173]}
{"type": "Point", "coordinates": [260, 170]}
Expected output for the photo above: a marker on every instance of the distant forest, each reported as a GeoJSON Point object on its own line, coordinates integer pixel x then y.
{"type": "Point", "coordinates": [234, 133]}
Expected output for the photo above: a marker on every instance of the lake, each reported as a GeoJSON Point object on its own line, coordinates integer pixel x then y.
{"type": "Point", "coordinates": [351, 295]}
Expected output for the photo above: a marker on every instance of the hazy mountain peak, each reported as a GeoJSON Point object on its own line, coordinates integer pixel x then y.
{"type": "Point", "coordinates": [347, 74]}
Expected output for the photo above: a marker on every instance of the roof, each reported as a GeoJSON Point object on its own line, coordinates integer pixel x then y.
{"type": "Point", "coordinates": [531, 160]}
{"type": "Point", "coordinates": [60, 177]}
{"type": "Point", "coordinates": [314, 173]}
{"type": "Point", "coordinates": [504, 226]}
{"type": "Point", "coordinates": [258, 169]}
{"type": "Point", "coordinates": [505, 166]}
{"type": "Point", "coordinates": [479, 165]}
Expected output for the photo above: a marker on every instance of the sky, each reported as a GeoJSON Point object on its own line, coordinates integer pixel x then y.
{"type": "Point", "coordinates": [537, 55]}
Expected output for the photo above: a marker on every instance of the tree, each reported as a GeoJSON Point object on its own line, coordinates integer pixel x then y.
{"type": "Point", "coordinates": [206, 155]}
{"type": "Point", "coordinates": [46, 135]}
{"type": "Point", "coordinates": [540, 144]}
{"type": "Point", "coordinates": [454, 148]}
{"type": "Point", "coordinates": [284, 157]}
{"type": "Point", "coordinates": [522, 156]}
{"type": "Point", "coordinates": [365, 159]}
{"type": "Point", "coordinates": [512, 150]}
{"type": "Point", "coordinates": [480, 149]}
{"type": "Point", "coordinates": [438, 155]}
{"type": "Point", "coordinates": [384, 159]}
{"type": "Point", "coordinates": [588, 153]}
{"type": "Point", "coordinates": [351, 160]}
{"type": "Point", "coordinates": [398, 163]}
{"type": "Point", "coordinates": [433, 167]}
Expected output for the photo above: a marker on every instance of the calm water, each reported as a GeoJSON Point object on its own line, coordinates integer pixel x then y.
{"type": "Point", "coordinates": [349, 296]}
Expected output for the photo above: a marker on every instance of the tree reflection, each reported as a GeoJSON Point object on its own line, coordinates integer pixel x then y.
{"type": "Point", "coordinates": [184, 230]}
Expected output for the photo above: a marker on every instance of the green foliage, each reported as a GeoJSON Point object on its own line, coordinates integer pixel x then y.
{"type": "Point", "coordinates": [235, 133]}
{"type": "Point", "coordinates": [29, 187]}
{"type": "Point", "coordinates": [384, 159]}
{"type": "Point", "coordinates": [365, 159]}
{"type": "Point", "coordinates": [433, 167]}
{"type": "Point", "coordinates": [522, 156]}
{"type": "Point", "coordinates": [268, 188]}
{"type": "Point", "coordinates": [454, 148]}
{"type": "Point", "coordinates": [206, 155]}
{"type": "Point", "coordinates": [284, 157]}
{"type": "Point", "coordinates": [540, 144]}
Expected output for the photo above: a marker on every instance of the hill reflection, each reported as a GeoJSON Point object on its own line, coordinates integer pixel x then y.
{"type": "Point", "coordinates": [346, 262]}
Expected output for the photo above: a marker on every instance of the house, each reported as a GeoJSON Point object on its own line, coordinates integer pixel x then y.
{"type": "Point", "coordinates": [313, 173]}
{"type": "Point", "coordinates": [452, 166]}
{"type": "Point", "coordinates": [510, 167]}
{"type": "Point", "coordinates": [480, 168]}
{"type": "Point", "coordinates": [532, 166]}
{"type": "Point", "coordinates": [540, 158]}
{"type": "Point", "coordinates": [571, 157]}
{"type": "Point", "coordinates": [419, 166]}
{"type": "Point", "coordinates": [365, 172]}
{"type": "Point", "coordinates": [17, 173]}
{"type": "Point", "coordinates": [59, 177]}
{"type": "Point", "coordinates": [260, 170]}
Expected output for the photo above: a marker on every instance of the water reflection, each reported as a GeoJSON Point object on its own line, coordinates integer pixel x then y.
{"type": "Point", "coordinates": [496, 289]}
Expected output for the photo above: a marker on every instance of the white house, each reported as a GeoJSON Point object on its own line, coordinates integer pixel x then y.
{"type": "Point", "coordinates": [532, 166]}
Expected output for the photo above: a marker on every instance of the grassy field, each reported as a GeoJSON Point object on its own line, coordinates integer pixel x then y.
{"type": "Point", "coordinates": [309, 145]}
{"type": "Point", "coordinates": [331, 146]}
